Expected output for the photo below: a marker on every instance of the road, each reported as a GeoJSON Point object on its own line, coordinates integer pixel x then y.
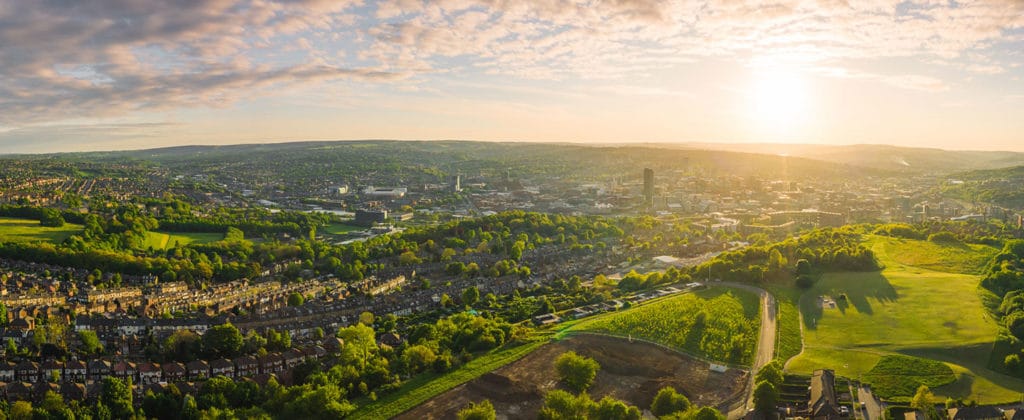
{"type": "Point", "coordinates": [872, 406]}
{"type": "Point", "coordinates": [765, 344]}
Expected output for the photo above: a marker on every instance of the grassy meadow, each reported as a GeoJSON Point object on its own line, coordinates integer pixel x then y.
{"type": "Point", "coordinates": [27, 230]}
{"type": "Point", "coordinates": [925, 303]}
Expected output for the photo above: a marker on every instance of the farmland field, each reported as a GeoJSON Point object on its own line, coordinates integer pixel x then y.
{"type": "Point", "coordinates": [167, 240]}
{"type": "Point", "coordinates": [718, 324]}
{"type": "Point", "coordinates": [906, 309]}
{"type": "Point", "coordinates": [27, 230]}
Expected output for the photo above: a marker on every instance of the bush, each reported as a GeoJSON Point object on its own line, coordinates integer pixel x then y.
{"type": "Point", "coordinates": [577, 372]}
{"type": "Point", "coordinates": [477, 411]}
{"type": "Point", "coordinates": [669, 401]}
{"type": "Point", "coordinates": [943, 238]}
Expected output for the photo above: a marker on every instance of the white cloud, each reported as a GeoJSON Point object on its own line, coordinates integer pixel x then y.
{"type": "Point", "coordinates": [110, 57]}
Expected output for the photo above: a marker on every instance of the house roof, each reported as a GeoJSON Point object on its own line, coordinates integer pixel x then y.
{"type": "Point", "coordinates": [823, 394]}
{"type": "Point", "coordinates": [981, 412]}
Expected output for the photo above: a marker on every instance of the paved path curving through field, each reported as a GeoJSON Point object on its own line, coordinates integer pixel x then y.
{"type": "Point", "coordinates": [765, 344]}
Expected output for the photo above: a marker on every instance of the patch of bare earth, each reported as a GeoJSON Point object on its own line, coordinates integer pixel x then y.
{"type": "Point", "coordinates": [630, 371]}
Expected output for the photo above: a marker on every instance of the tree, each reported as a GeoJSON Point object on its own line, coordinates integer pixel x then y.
{"type": "Point", "coordinates": [296, 299]}
{"type": "Point", "coordinates": [577, 372]}
{"type": "Point", "coordinates": [182, 345]}
{"type": "Point", "coordinates": [477, 411]}
{"type": "Point", "coordinates": [669, 401]}
{"type": "Point", "coordinates": [546, 307]}
{"type": "Point", "coordinates": [3, 315]}
{"type": "Point", "coordinates": [408, 258]}
{"type": "Point", "coordinates": [90, 342]}
{"type": "Point", "coordinates": [366, 318]}
{"type": "Point", "coordinates": [559, 405]}
{"type": "Point", "coordinates": [359, 344]}
{"type": "Point", "coordinates": [117, 395]}
{"type": "Point", "coordinates": [222, 341]}
{"type": "Point", "coordinates": [775, 260]}
{"type": "Point", "coordinates": [803, 267]}
{"type": "Point", "coordinates": [765, 397]}
{"type": "Point", "coordinates": [804, 281]}
{"type": "Point", "coordinates": [470, 296]}
{"type": "Point", "coordinates": [21, 410]}
{"type": "Point", "coordinates": [612, 409]}
{"type": "Point", "coordinates": [925, 402]}
{"type": "Point", "coordinates": [418, 358]}
{"type": "Point", "coordinates": [770, 373]}
{"type": "Point", "coordinates": [697, 413]}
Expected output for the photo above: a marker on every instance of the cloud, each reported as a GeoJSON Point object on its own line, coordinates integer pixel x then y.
{"type": "Point", "coordinates": [101, 58]}
{"type": "Point", "coordinates": [916, 82]}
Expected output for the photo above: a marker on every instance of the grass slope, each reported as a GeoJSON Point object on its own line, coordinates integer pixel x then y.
{"type": "Point", "coordinates": [717, 324]}
{"type": "Point", "coordinates": [907, 309]}
{"type": "Point", "coordinates": [959, 258]}
{"type": "Point", "coordinates": [426, 386]}
{"type": "Point", "coordinates": [788, 341]}
{"type": "Point", "coordinates": [899, 375]}
{"type": "Point", "coordinates": [27, 230]}
{"type": "Point", "coordinates": [167, 240]}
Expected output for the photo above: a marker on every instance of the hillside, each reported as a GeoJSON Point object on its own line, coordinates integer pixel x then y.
{"type": "Point", "coordinates": [997, 186]}
{"type": "Point", "coordinates": [884, 157]}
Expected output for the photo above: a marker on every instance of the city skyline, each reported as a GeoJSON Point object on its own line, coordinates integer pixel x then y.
{"type": "Point", "coordinates": [127, 75]}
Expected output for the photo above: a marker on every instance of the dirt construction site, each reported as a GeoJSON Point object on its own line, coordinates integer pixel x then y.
{"type": "Point", "coordinates": [630, 371]}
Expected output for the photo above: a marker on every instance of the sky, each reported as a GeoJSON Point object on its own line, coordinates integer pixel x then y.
{"type": "Point", "coordinates": [126, 74]}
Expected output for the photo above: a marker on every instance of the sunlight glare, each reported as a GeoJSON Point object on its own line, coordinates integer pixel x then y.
{"type": "Point", "coordinates": [778, 101]}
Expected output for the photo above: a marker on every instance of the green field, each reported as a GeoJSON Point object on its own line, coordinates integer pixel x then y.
{"type": "Point", "coordinates": [340, 228]}
{"type": "Point", "coordinates": [27, 230]}
{"type": "Point", "coordinates": [167, 240]}
{"type": "Point", "coordinates": [906, 309]}
{"type": "Point", "coordinates": [718, 324]}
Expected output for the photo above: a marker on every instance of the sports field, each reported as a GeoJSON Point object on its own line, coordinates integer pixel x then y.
{"type": "Point", "coordinates": [340, 228]}
{"type": "Point", "coordinates": [910, 308]}
{"type": "Point", "coordinates": [167, 240]}
{"type": "Point", "coordinates": [27, 230]}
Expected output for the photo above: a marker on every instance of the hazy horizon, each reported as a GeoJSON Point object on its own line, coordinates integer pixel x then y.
{"type": "Point", "coordinates": [116, 75]}
{"type": "Point", "coordinates": [714, 146]}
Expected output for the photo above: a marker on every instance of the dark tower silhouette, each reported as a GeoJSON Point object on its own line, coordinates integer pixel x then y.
{"type": "Point", "coordinates": [649, 187]}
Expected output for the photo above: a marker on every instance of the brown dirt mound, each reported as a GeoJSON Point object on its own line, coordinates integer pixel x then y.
{"type": "Point", "coordinates": [630, 371]}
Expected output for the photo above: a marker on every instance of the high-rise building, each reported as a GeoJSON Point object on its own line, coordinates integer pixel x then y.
{"type": "Point", "coordinates": [648, 187]}
{"type": "Point", "coordinates": [456, 183]}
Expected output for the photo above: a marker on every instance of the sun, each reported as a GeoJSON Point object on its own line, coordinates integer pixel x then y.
{"type": "Point", "coordinates": [778, 102]}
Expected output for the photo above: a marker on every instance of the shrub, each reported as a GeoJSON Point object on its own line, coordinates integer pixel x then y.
{"type": "Point", "coordinates": [577, 372]}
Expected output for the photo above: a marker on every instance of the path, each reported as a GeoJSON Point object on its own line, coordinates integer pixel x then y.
{"type": "Point", "coordinates": [765, 344]}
